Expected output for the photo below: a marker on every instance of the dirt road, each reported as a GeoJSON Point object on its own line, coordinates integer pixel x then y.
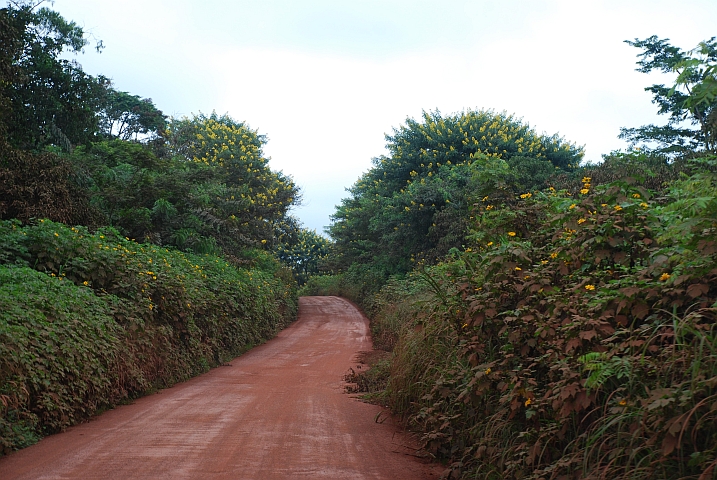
{"type": "Point", "coordinates": [278, 412]}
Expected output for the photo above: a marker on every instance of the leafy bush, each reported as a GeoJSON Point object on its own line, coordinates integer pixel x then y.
{"type": "Point", "coordinates": [40, 185]}
{"type": "Point", "coordinates": [123, 317]}
{"type": "Point", "coordinates": [359, 284]}
{"type": "Point", "coordinates": [575, 337]}
{"type": "Point", "coordinates": [327, 285]}
{"type": "Point", "coordinates": [58, 350]}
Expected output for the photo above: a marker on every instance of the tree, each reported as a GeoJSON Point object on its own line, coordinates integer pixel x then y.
{"type": "Point", "coordinates": [415, 204]}
{"type": "Point", "coordinates": [32, 185]}
{"type": "Point", "coordinates": [692, 99]}
{"type": "Point", "coordinates": [249, 198]}
{"type": "Point", "coordinates": [10, 48]}
{"type": "Point", "coordinates": [51, 100]}
{"type": "Point", "coordinates": [125, 116]}
{"type": "Point", "coordinates": [302, 250]}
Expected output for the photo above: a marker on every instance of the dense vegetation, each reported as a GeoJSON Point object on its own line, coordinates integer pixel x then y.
{"type": "Point", "coordinates": [415, 204]}
{"type": "Point", "coordinates": [547, 320]}
{"type": "Point", "coordinates": [88, 320]}
{"type": "Point", "coordinates": [136, 250]}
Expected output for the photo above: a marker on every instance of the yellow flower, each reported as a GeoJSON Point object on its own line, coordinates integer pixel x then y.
{"type": "Point", "coordinates": [528, 402]}
{"type": "Point", "coordinates": [590, 287]}
{"type": "Point", "coordinates": [489, 207]}
{"type": "Point", "coordinates": [623, 402]}
{"type": "Point", "coordinates": [511, 234]}
{"type": "Point", "coordinates": [644, 205]}
{"type": "Point", "coordinates": [635, 195]}
{"type": "Point", "coordinates": [487, 372]}
{"type": "Point", "coordinates": [584, 191]}
{"type": "Point", "coordinates": [56, 234]}
{"type": "Point", "coordinates": [572, 206]}
{"type": "Point", "coordinates": [543, 262]}
{"type": "Point", "coordinates": [517, 269]}
{"type": "Point", "coordinates": [526, 195]}
{"type": "Point", "coordinates": [665, 276]}
{"type": "Point", "coordinates": [554, 255]}
{"type": "Point", "coordinates": [263, 241]}
{"type": "Point", "coordinates": [582, 220]}
{"type": "Point", "coordinates": [85, 283]}
{"type": "Point", "coordinates": [617, 208]}
{"type": "Point", "coordinates": [489, 244]}
{"type": "Point", "coordinates": [586, 179]}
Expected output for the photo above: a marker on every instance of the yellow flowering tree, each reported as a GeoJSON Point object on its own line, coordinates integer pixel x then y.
{"type": "Point", "coordinates": [415, 203]}
{"type": "Point", "coordinates": [247, 198]}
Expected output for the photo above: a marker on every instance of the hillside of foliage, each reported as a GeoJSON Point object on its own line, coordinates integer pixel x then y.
{"type": "Point", "coordinates": [546, 320]}
{"type": "Point", "coordinates": [136, 250]}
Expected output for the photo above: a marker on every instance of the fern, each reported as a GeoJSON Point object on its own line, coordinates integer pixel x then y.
{"type": "Point", "coordinates": [602, 368]}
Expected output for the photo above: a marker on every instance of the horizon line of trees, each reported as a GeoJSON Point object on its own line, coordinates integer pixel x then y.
{"type": "Point", "coordinates": [75, 149]}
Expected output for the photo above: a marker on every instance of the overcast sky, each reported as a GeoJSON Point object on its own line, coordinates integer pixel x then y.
{"type": "Point", "coordinates": [326, 79]}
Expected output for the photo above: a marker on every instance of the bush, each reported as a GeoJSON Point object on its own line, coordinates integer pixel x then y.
{"type": "Point", "coordinates": [324, 285]}
{"type": "Point", "coordinates": [158, 315]}
{"type": "Point", "coordinates": [58, 352]}
{"type": "Point", "coordinates": [574, 337]}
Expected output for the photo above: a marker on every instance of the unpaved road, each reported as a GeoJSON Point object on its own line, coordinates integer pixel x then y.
{"type": "Point", "coordinates": [278, 412]}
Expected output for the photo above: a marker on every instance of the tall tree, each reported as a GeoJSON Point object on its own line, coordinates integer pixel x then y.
{"type": "Point", "coordinates": [691, 100]}
{"type": "Point", "coordinates": [250, 198]}
{"type": "Point", "coordinates": [51, 100]}
{"type": "Point", "coordinates": [302, 250]}
{"type": "Point", "coordinates": [125, 116]}
{"type": "Point", "coordinates": [10, 48]}
{"type": "Point", "coordinates": [416, 202]}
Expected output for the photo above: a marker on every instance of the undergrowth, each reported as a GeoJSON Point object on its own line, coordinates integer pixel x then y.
{"type": "Point", "coordinates": [575, 336]}
{"type": "Point", "coordinates": [88, 320]}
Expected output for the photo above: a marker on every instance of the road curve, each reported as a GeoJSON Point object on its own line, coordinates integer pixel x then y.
{"type": "Point", "coordinates": [277, 412]}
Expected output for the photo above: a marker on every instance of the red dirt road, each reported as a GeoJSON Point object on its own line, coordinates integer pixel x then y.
{"type": "Point", "coordinates": [278, 412]}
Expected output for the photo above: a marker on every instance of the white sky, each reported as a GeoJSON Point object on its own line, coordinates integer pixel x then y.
{"type": "Point", "coordinates": [326, 79]}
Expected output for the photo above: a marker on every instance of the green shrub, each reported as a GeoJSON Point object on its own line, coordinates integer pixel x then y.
{"type": "Point", "coordinates": [150, 316]}
{"type": "Point", "coordinates": [58, 352]}
{"type": "Point", "coordinates": [325, 285]}
{"type": "Point", "coordinates": [575, 336]}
